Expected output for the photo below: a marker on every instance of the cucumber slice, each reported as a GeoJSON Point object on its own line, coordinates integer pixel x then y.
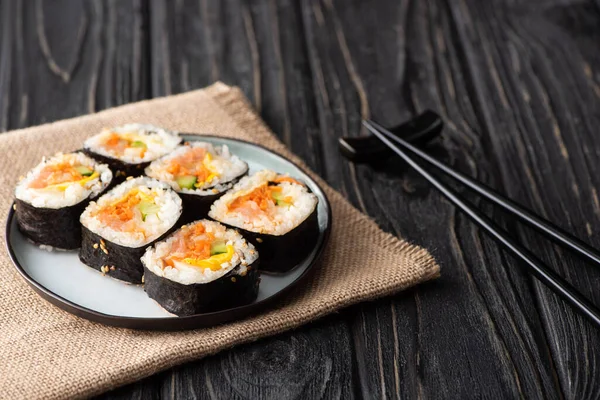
{"type": "Point", "coordinates": [186, 181]}
{"type": "Point", "coordinates": [218, 247]}
{"type": "Point", "coordinates": [277, 195]}
{"type": "Point", "coordinates": [138, 143]}
{"type": "Point", "coordinates": [147, 207]}
{"type": "Point", "coordinates": [83, 170]}
{"type": "Point", "coordinates": [282, 203]}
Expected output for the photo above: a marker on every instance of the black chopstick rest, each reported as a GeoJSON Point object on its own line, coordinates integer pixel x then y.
{"type": "Point", "coordinates": [420, 130]}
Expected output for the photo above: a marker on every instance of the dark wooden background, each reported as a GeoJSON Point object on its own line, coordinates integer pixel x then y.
{"type": "Point", "coordinates": [518, 83]}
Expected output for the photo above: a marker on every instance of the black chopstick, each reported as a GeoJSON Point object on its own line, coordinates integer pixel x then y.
{"type": "Point", "coordinates": [535, 266]}
{"type": "Point", "coordinates": [551, 231]}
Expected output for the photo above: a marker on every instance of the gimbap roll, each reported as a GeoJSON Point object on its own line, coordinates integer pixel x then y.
{"type": "Point", "coordinates": [200, 173]}
{"type": "Point", "coordinates": [130, 148]}
{"type": "Point", "coordinates": [120, 225]}
{"type": "Point", "coordinates": [202, 267]}
{"type": "Point", "coordinates": [277, 213]}
{"type": "Point", "coordinates": [52, 196]}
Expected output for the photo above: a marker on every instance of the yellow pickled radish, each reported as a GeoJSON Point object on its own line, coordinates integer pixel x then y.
{"type": "Point", "coordinates": [214, 262]}
{"type": "Point", "coordinates": [63, 186]}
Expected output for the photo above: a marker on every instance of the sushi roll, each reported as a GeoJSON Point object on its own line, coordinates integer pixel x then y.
{"type": "Point", "coordinates": [120, 225]}
{"type": "Point", "coordinates": [52, 196]}
{"type": "Point", "coordinates": [202, 267]}
{"type": "Point", "coordinates": [276, 213]}
{"type": "Point", "coordinates": [130, 148]}
{"type": "Point", "coordinates": [200, 173]}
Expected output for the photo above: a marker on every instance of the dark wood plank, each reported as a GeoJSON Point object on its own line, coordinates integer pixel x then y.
{"type": "Point", "coordinates": [539, 114]}
{"type": "Point", "coordinates": [52, 70]}
{"type": "Point", "coordinates": [466, 63]}
{"type": "Point", "coordinates": [419, 361]}
{"type": "Point", "coordinates": [300, 365]}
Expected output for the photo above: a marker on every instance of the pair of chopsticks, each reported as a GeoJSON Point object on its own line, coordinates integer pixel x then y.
{"type": "Point", "coordinates": [547, 276]}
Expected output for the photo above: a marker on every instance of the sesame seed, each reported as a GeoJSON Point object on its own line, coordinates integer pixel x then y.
{"type": "Point", "coordinates": [259, 240]}
{"type": "Point", "coordinates": [15, 207]}
{"type": "Point", "coordinates": [105, 251]}
{"type": "Point", "coordinates": [233, 279]}
{"type": "Point", "coordinates": [143, 278]}
{"type": "Point", "coordinates": [129, 178]}
{"type": "Point", "coordinates": [95, 245]}
{"type": "Point", "coordinates": [102, 242]}
{"type": "Point", "coordinates": [112, 268]}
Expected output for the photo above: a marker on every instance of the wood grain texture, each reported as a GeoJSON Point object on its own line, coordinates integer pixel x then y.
{"type": "Point", "coordinates": [518, 84]}
{"type": "Point", "coordinates": [52, 70]}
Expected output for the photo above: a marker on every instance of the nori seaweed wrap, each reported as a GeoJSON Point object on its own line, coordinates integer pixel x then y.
{"type": "Point", "coordinates": [202, 267]}
{"type": "Point", "coordinates": [50, 199]}
{"type": "Point", "coordinates": [119, 227]}
{"type": "Point", "coordinates": [282, 253]}
{"type": "Point", "coordinates": [276, 213]}
{"type": "Point", "coordinates": [117, 261]}
{"type": "Point", "coordinates": [200, 173]}
{"type": "Point", "coordinates": [130, 148]}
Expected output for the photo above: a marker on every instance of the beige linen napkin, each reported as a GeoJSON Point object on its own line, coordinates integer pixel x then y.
{"type": "Point", "coordinates": [48, 353]}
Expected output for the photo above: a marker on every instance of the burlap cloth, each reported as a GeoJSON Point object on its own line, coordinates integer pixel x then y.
{"type": "Point", "coordinates": [48, 353]}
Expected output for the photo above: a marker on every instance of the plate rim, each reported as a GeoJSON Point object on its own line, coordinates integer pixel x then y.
{"type": "Point", "coordinates": [188, 322]}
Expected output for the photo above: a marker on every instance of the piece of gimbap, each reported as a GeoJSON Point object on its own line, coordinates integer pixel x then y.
{"type": "Point", "coordinates": [202, 267]}
{"type": "Point", "coordinates": [52, 196]}
{"type": "Point", "coordinates": [120, 225]}
{"type": "Point", "coordinates": [277, 213]}
{"type": "Point", "coordinates": [200, 173]}
{"type": "Point", "coordinates": [130, 148]}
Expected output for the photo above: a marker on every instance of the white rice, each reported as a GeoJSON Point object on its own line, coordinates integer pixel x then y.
{"type": "Point", "coordinates": [73, 194]}
{"type": "Point", "coordinates": [244, 255]}
{"type": "Point", "coordinates": [153, 227]}
{"type": "Point", "coordinates": [158, 142]}
{"type": "Point", "coordinates": [277, 220]}
{"type": "Point", "coordinates": [226, 165]}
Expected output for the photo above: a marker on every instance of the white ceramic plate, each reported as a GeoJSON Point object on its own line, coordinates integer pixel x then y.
{"type": "Point", "coordinates": [63, 280]}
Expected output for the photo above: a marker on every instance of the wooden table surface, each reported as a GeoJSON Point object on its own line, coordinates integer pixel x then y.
{"type": "Point", "coordinates": [518, 84]}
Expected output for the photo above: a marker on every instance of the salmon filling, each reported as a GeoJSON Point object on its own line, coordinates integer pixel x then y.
{"type": "Point", "coordinates": [262, 199]}
{"type": "Point", "coordinates": [60, 176]}
{"type": "Point", "coordinates": [123, 214]}
{"type": "Point", "coordinates": [119, 142]}
{"type": "Point", "coordinates": [196, 162]}
{"type": "Point", "coordinates": [197, 247]}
